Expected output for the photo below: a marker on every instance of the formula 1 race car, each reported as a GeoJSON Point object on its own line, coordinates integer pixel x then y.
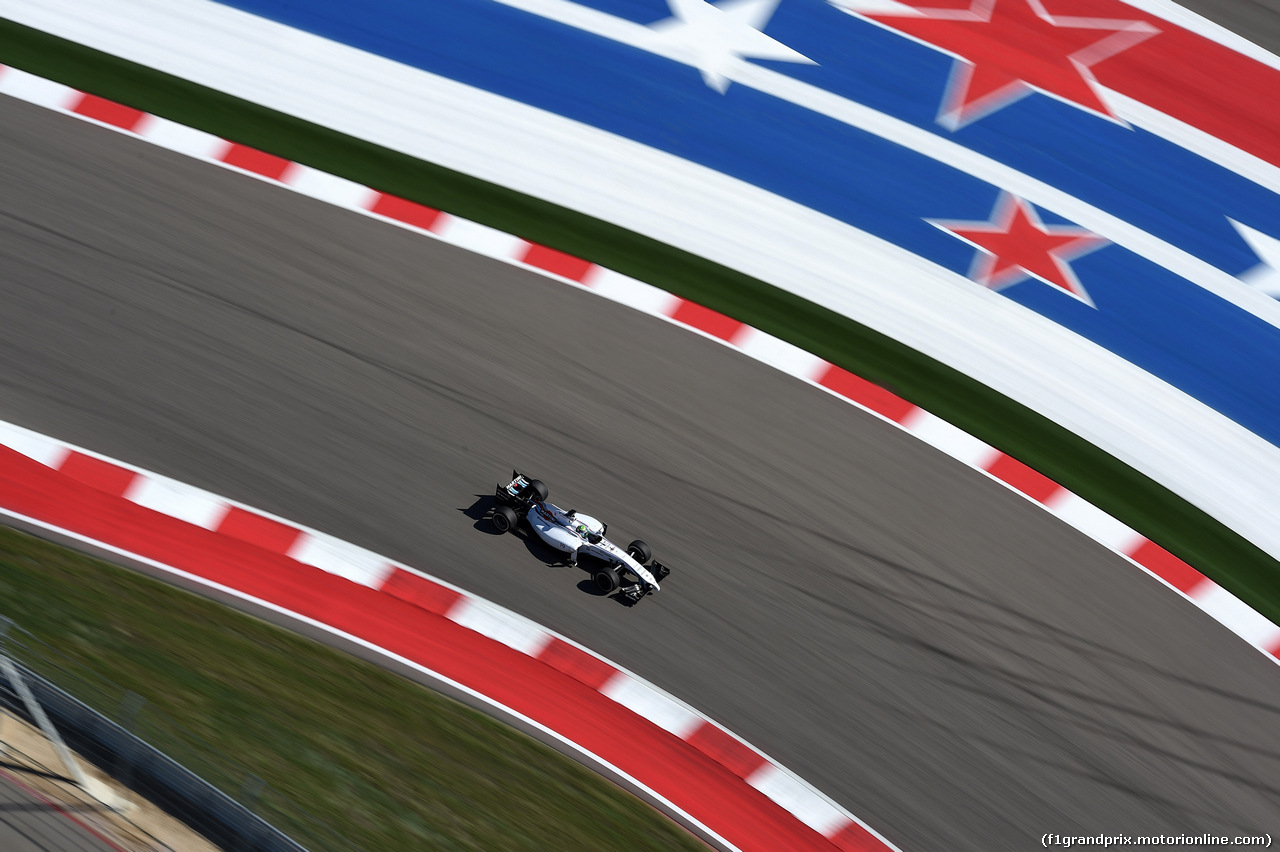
{"type": "Point", "coordinates": [576, 534]}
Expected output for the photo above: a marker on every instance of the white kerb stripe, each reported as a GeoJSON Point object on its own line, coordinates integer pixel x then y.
{"type": "Point", "coordinates": [33, 445]}
{"type": "Point", "coordinates": [634, 294]}
{"type": "Point", "coordinates": [341, 558]}
{"type": "Point", "coordinates": [182, 139]}
{"type": "Point", "coordinates": [501, 625]}
{"type": "Point", "coordinates": [798, 798]}
{"type": "Point", "coordinates": [475, 237]}
{"type": "Point", "coordinates": [653, 704]}
{"type": "Point", "coordinates": [36, 90]}
{"type": "Point", "coordinates": [778, 353]}
{"type": "Point", "coordinates": [1094, 522]}
{"type": "Point", "coordinates": [952, 440]}
{"type": "Point", "coordinates": [1236, 615]}
{"type": "Point", "coordinates": [331, 189]}
{"type": "Point", "coordinates": [177, 500]}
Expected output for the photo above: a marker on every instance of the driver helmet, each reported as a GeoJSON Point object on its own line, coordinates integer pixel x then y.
{"type": "Point", "coordinates": [581, 530]}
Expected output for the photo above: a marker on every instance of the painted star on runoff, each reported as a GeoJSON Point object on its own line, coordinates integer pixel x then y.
{"type": "Point", "coordinates": [1266, 275]}
{"type": "Point", "coordinates": [716, 39]}
{"type": "Point", "coordinates": [1014, 245]}
{"type": "Point", "coordinates": [1005, 49]}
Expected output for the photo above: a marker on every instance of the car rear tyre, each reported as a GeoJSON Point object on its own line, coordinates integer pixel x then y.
{"type": "Point", "coordinates": [505, 519]}
{"type": "Point", "coordinates": [639, 551]}
{"type": "Point", "coordinates": [607, 580]}
{"type": "Point", "coordinates": [538, 488]}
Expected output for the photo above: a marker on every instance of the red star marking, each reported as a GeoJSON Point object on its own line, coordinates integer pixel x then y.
{"type": "Point", "coordinates": [1015, 244]}
{"type": "Point", "coordinates": [1005, 49]}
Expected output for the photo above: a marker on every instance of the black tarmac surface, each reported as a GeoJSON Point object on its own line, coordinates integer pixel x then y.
{"type": "Point", "coordinates": [930, 649]}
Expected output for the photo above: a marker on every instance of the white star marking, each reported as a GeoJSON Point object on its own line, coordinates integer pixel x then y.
{"type": "Point", "coordinates": [716, 39]}
{"type": "Point", "coordinates": [1265, 277]}
{"type": "Point", "coordinates": [875, 7]}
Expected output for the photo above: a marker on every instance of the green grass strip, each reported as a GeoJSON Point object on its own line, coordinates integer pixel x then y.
{"type": "Point", "coordinates": [389, 764]}
{"type": "Point", "coordinates": [1109, 484]}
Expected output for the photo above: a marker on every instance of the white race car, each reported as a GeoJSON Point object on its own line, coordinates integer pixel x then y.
{"type": "Point", "coordinates": [576, 534]}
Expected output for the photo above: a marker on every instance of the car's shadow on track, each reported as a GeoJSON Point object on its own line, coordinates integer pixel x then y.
{"type": "Point", "coordinates": [589, 586]}
{"type": "Point", "coordinates": [479, 512]}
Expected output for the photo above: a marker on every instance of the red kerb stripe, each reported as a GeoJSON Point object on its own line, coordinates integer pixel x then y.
{"type": "Point", "coordinates": [404, 210]}
{"type": "Point", "coordinates": [253, 160]}
{"type": "Point", "coordinates": [577, 663]}
{"type": "Point", "coordinates": [866, 393]}
{"type": "Point", "coordinates": [255, 529]}
{"type": "Point", "coordinates": [96, 473]}
{"type": "Point", "coordinates": [420, 592]}
{"type": "Point", "coordinates": [108, 112]}
{"type": "Point", "coordinates": [728, 751]}
{"type": "Point", "coordinates": [1030, 482]}
{"type": "Point", "coordinates": [556, 262]}
{"type": "Point", "coordinates": [704, 319]}
{"type": "Point", "coordinates": [1167, 567]}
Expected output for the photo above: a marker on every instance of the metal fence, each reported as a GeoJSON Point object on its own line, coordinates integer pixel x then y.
{"type": "Point", "coordinates": [143, 749]}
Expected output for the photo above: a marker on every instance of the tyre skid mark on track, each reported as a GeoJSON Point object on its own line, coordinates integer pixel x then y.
{"type": "Point", "coordinates": [210, 512]}
{"type": "Point", "coordinates": [651, 300]}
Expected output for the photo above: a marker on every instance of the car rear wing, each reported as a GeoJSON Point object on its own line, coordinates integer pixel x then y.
{"type": "Point", "coordinates": [514, 492]}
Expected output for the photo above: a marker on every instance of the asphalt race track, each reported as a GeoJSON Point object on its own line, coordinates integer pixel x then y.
{"type": "Point", "coordinates": [933, 651]}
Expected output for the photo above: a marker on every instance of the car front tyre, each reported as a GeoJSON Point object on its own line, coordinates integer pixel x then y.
{"type": "Point", "coordinates": [639, 551]}
{"type": "Point", "coordinates": [607, 580]}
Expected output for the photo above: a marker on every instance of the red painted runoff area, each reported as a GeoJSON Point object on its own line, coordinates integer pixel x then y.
{"type": "Point", "coordinates": [96, 473]}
